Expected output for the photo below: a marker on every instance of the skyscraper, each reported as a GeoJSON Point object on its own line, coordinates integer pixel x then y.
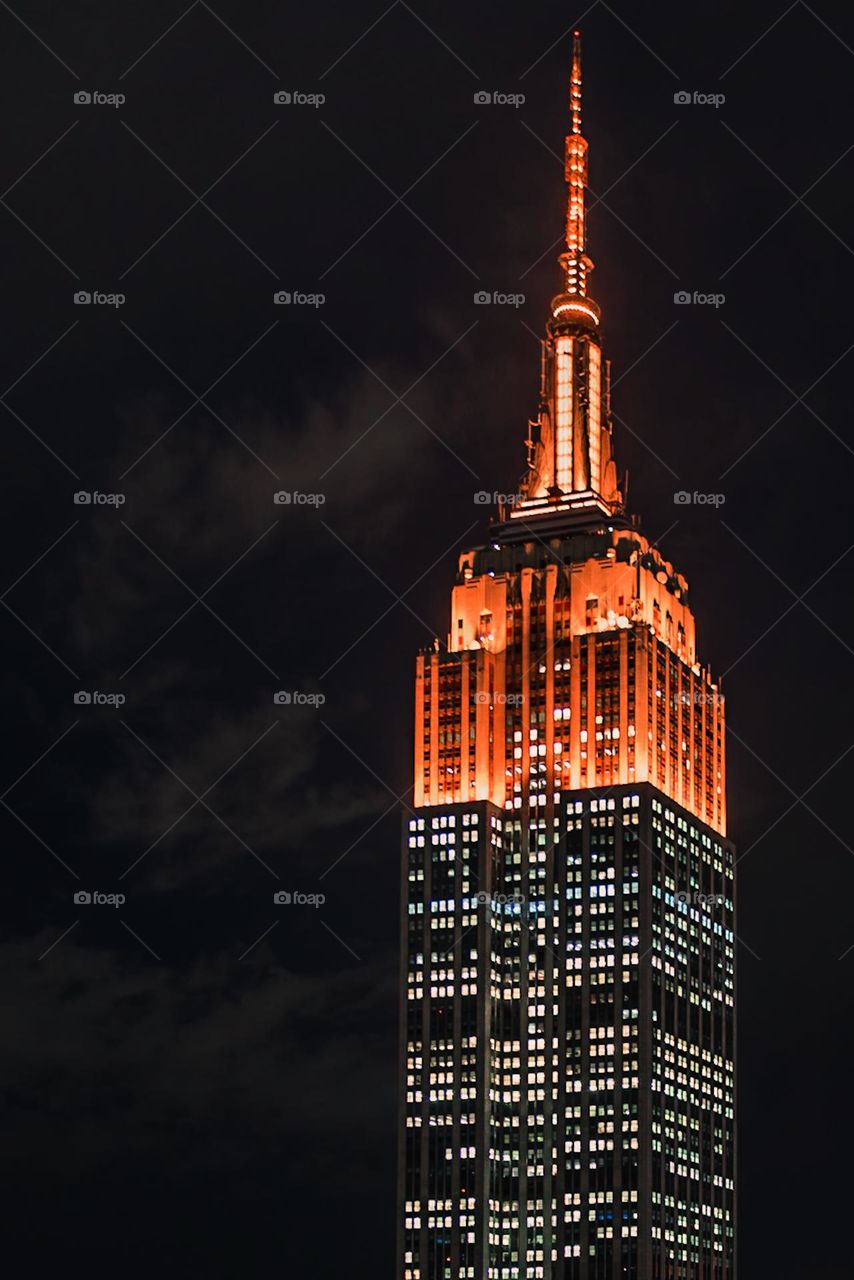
{"type": "Point", "coordinates": [568, 985]}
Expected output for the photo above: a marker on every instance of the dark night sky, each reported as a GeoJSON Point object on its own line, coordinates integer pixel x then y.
{"type": "Point", "coordinates": [171, 1090]}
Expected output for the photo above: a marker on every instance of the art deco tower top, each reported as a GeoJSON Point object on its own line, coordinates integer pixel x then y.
{"type": "Point", "coordinates": [572, 477]}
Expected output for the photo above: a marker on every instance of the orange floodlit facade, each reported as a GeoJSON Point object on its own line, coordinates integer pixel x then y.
{"type": "Point", "coordinates": [598, 655]}
{"type": "Point", "coordinates": [567, 1065]}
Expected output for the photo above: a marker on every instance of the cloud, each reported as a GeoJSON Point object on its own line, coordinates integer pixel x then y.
{"type": "Point", "coordinates": [108, 1054]}
{"type": "Point", "coordinates": [270, 803]}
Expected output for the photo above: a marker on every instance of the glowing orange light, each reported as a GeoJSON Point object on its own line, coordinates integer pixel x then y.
{"type": "Point", "coordinates": [577, 306]}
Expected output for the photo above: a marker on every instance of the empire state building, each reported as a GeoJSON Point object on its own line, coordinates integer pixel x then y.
{"type": "Point", "coordinates": [567, 1089]}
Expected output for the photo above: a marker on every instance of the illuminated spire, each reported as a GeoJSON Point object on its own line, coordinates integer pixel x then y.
{"type": "Point", "coordinates": [576, 177]}
{"type": "Point", "coordinates": [571, 468]}
{"type": "Point", "coordinates": [575, 84]}
{"type": "Point", "coordinates": [574, 261]}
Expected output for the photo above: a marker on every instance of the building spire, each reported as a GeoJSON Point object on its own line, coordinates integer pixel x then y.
{"type": "Point", "coordinates": [575, 83]}
{"type": "Point", "coordinates": [574, 261]}
{"type": "Point", "coordinates": [571, 469]}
